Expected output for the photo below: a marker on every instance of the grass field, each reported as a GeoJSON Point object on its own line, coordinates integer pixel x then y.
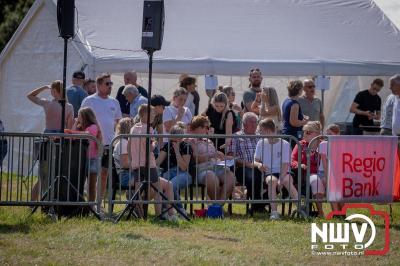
{"type": "Point", "coordinates": [236, 240]}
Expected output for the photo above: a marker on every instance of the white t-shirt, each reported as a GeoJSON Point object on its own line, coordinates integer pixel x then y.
{"type": "Point", "coordinates": [170, 113]}
{"type": "Point", "coordinates": [120, 148]}
{"type": "Point", "coordinates": [273, 155]}
{"type": "Point", "coordinates": [322, 150]}
{"type": "Point", "coordinates": [189, 103]}
{"type": "Point", "coordinates": [106, 111]}
{"type": "Point", "coordinates": [396, 117]}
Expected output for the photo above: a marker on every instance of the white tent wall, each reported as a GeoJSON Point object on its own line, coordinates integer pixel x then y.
{"type": "Point", "coordinates": [34, 60]}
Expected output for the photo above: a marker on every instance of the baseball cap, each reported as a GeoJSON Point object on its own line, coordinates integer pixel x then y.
{"type": "Point", "coordinates": [78, 75]}
{"type": "Point", "coordinates": [157, 100]}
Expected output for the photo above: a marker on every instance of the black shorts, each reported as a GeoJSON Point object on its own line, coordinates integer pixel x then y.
{"type": "Point", "coordinates": [105, 157]}
{"type": "Point", "coordinates": [143, 174]}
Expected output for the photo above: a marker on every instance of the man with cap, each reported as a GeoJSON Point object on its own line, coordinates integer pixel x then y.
{"type": "Point", "coordinates": [76, 93]}
{"type": "Point", "coordinates": [159, 103]}
{"type": "Point", "coordinates": [134, 99]}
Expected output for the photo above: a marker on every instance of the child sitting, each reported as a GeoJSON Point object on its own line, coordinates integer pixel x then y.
{"type": "Point", "coordinates": [272, 158]}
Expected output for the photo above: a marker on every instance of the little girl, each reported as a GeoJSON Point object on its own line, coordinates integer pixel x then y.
{"type": "Point", "coordinates": [87, 123]}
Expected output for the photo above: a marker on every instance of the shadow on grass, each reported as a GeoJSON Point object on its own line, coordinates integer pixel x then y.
{"type": "Point", "coordinates": [229, 239]}
{"type": "Point", "coordinates": [22, 227]}
{"type": "Point", "coordinates": [132, 236]}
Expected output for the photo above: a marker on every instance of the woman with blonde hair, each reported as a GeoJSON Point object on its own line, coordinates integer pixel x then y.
{"type": "Point", "coordinates": [237, 110]}
{"type": "Point", "coordinates": [52, 108]}
{"type": "Point", "coordinates": [266, 105]}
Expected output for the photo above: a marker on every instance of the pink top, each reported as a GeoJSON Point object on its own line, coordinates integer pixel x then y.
{"type": "Point", "coordinates": [203, 147]}
{"type": "Point", "coordinates": [138, 147]}
{"type": "Point", "coordinates": [93, 130]}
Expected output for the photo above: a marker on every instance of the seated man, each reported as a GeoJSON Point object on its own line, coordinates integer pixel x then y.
{"type": "Point", "coordinates": [272, 157]}
{"type": "Point", "coordinates": [242, 149]}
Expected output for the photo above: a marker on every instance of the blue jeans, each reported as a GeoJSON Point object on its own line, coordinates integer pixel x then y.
{"type": "Point", "coordinates": [179, 180]}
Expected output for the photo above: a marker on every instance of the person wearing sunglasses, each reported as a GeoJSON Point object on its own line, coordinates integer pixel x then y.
{"type": "Point", "coordinates": [311, 130]}
{"type": "Point", "coordinates": [310, 105]}
{"type": "Point", "coordinates": [367, 107]}
{"type": "Point", "coordinates": [108, 113]}
{"type": "Point", "coordinates": [218, 179]}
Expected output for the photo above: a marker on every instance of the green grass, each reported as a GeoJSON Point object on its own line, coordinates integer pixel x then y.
{"type": "Point", "coordinates": [236, 240]}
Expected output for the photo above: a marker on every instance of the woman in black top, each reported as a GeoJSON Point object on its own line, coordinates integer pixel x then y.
{"type": "Point", "coordinates": [221, 118]}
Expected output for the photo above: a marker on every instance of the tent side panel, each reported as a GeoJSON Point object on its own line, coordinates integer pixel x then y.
{"type": "Point", "coordinates": [35, 60]}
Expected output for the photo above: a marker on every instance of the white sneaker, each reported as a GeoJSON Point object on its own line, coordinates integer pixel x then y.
{"type": "Point", "coordinates": [274, 216]}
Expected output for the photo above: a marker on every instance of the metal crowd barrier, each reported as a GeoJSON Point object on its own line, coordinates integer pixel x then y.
{"type": "Point", "coordinates": [193, 180]}
{"type": "Point", "coordinates": [45, 169]}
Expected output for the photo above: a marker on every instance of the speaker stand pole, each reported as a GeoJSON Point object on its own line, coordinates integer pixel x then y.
{"type": "Point", "coordinates": [63, 100]}
{"type": "Point", "coordinates": [148, 143]}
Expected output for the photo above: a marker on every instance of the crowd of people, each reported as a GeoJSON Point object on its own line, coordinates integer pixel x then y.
{"type": "Point", "coordinates": [264, 164]}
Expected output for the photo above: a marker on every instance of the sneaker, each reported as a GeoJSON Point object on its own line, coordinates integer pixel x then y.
{"type": "Point", "coordinates": [274, 216]}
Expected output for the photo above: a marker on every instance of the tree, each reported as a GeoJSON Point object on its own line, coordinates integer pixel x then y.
{"type": "Point", "coordinates": [12, 13]}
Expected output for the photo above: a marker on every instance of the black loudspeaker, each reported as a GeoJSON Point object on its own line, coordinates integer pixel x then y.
{"type": "Point", "coordinates": [66, 18]}
{"type": "Point", "coordinates": [153, 25]}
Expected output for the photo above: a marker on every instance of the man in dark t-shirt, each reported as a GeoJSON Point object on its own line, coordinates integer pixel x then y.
{"type": "Point", "coordinates": [366, 107]}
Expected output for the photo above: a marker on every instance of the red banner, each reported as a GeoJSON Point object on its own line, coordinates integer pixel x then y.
{"type": "Point", "coordinates": [363, 169]}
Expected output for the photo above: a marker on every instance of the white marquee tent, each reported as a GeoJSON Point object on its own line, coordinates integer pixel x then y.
{"type": "Point", "coordinates": [281, 37]}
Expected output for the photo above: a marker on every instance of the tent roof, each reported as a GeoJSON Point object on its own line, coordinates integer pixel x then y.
{"type": "Point", "coordinates": [282, 37]}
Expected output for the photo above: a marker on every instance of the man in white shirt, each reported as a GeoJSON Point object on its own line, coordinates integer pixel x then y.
{"type": "Point", "coordinates": [392, 114]}
{"type": "Point", "coordinates": [108, 113]}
